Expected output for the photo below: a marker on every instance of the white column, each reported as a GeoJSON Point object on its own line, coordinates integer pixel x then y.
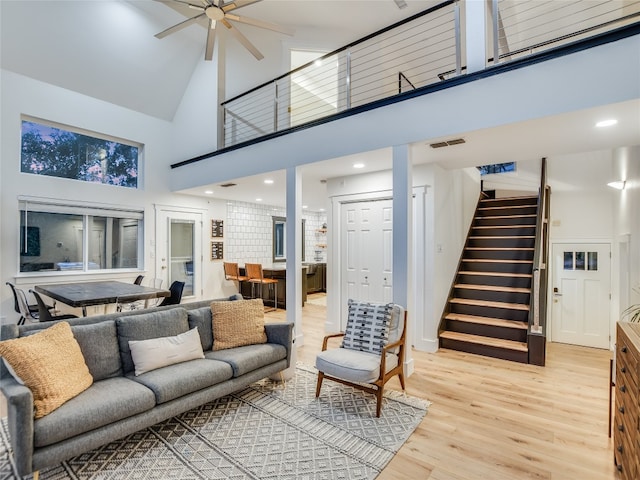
{"type": "Point", "coordinates": [294, 252]}
{"type": "Point", "coordinates": [475, 35]}
{"type": "Point", "coordinates": [402, 241]}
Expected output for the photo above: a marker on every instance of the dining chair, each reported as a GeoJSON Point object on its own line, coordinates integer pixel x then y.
{"type": "Point", "coordinates": [176, 289]}
{"type": "Point", "coordinates": [44, 314]}
{"type": "Point", "coordinates": [255, 276]}
{"type": "Point", "coordinates": [31, 309]}
{"type": "Point", "coordinates": [364, 360]}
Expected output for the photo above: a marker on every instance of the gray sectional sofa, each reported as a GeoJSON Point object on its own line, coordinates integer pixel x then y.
{"type": "Point", "coordinates": [119, 403]}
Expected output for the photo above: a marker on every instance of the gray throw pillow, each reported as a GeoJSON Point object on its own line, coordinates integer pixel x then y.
{"type": "Point", "coordinates": [203, 319]}
{"type": "Point", "coordinates": [164, 323]}
{"type": "Point", "coordinates": [99, 345]}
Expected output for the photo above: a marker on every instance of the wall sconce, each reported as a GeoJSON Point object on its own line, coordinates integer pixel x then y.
{"type": "Point", "coordinates": [619, 185]}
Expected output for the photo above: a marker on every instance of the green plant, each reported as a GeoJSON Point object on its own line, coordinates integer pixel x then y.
{"type": "Point", "coordinates": [632, 313]}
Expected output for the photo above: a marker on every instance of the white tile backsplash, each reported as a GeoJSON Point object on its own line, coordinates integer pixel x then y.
{"type": "Point", "coordinates": [248, 235]}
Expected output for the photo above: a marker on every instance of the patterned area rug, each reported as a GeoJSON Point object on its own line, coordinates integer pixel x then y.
{"type": "Point", "coordinates": [266, 431]}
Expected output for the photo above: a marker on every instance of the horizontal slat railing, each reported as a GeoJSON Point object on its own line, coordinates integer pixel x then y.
{"type": "Point", "coordinates": [355, 75]}
{"type": "Point", "coordinates": [427, 48]}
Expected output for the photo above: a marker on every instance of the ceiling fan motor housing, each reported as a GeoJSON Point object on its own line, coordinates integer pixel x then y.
{"type": "Point", "coordinates": [214, 13]}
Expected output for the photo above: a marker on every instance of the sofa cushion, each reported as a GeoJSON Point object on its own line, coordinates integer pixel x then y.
{"type": "Point", "coordinates": [238, 323]}
{"type": "Point", "coordinates": [353, 365]}
{"type": "Point", "coordinates": [51, 364]}
{"type": "Point", "coordinates": [367, 326]}
{"type": "Point", "coordinates": [99, 345]}
{"type": "Point", "coordinates": [250, 357]}
{"type": "Point", "coordinates": [164, 323]}
{"type": "Point", "coordinates": [202, 318]}
{"type": "Point", "coordinates": [174, 381]}
{"type": "Point", "coordinates": [155, 353]}
{"type": "Point", "coordinates": [103, 403]}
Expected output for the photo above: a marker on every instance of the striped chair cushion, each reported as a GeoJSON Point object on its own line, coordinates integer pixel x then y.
{"type": "Point", "coordinates": [367, 326]}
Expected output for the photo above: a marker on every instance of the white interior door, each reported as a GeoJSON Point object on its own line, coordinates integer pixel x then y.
{"type": "Point", "coordinates": [581, 294]}
{"type": "Point", "coordinates": [367, 252]}
{"type": "Point", "coordinates": [179, 250]}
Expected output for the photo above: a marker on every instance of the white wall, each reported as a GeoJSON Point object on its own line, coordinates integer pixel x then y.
{"type": "Point", "coordinates": [22, 95]}
{"type": "Point", "coordinates": [626, 217]}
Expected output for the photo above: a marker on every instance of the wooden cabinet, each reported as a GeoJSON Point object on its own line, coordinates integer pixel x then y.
{"type": "Point", "coordinates": [626, 429]}
{"type": "Point", "coordinates": [316, 278]}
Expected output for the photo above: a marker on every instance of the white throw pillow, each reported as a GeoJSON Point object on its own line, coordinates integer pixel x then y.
{"type": "Point", "coordinates": [154, 353]}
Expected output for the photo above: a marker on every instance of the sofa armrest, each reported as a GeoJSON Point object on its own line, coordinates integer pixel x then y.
{"type": "Point", "coordinates": [282, 334]}
{"type": "Point", "coordinates": [20, 420]}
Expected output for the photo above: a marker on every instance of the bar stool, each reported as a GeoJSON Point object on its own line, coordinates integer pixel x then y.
{"type": "Point", "coordinates": [255, 276]}
{"type": "Point", "coordinates": [232, 273]}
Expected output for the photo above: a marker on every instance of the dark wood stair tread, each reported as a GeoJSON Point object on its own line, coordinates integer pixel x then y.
{"type": "Point", "coordinates": [503, 237]}
{"type": "Point", "coordinates": [500, 249]}
{"type": "Point", "coordinates": [492, 260]}
{"type": "Point", "coordinates": [488, 341]}
{"type": "Point", "coordinates": [492, 288]}
{"type": "Point", "coordinates": [516, 197]}
{"type": "Point", "coordinates": [496, 274]}
{"type": "Point", "coordinates": [493, 227]}
{"type": "Point", "coordinates": [490, 304]}
{"type": "Point", "coordinates": [494, 322]}
{"type": "Point", "coordinates": [495, 217]}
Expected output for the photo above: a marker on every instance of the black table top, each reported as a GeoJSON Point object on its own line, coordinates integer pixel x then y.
{"type": "Point", "coordinates": [82, 294]}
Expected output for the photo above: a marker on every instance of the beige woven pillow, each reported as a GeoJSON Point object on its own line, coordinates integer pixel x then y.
{"type": "Point", "coordinates": [51, 364]}
{"type": "Point", "coordinates": [237, 323]}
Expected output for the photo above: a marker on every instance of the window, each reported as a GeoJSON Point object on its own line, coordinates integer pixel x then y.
{"type": "Point", "coordinates": [70, 237]}
{"type": "Point", "coordinates": [56, 152]}
{"type": "Point", "coordinates": [497, 168]}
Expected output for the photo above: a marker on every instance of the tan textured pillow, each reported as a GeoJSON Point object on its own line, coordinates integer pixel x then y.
{"type": "Point", "coordinates": [51, 364]}
{"type": "Point", "coordinates": [237, 323]}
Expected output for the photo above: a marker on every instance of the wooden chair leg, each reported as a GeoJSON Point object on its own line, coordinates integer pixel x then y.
{"type": "Point", "coordinates": [36, 475]}
{"type": "Point", "coordinates": [379, 401]}
{"type": "Point", "coordinates": [401, 377]}
{"type": "Point", "coordinates": [319, 384]}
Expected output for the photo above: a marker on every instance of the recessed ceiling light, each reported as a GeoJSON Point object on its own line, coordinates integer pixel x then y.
{"type": "Point", "coordinates": [208, 192]}
{"type": "Point", "coordinates": [305, 206]}
{"type": "Point", "coordinates": [606, 123]}
{"type": "Point", "coordinates": [322, 209]}
{"type": "Point", "coordinates": [358, 165]}
{"type": "Point", "coordinates": [258, 199]}
{"type": "Point", "coordinates": [318, 62]}
{"type": "Point", "coordinates": [268, 181]}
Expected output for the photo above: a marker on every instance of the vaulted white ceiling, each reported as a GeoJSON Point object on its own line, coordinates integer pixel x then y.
{"type": "Point", "coordinates": [107, 49]}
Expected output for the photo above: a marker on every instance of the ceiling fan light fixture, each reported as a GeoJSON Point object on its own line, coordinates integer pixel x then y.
{"type": "Point", "coordinates": [214, 13]}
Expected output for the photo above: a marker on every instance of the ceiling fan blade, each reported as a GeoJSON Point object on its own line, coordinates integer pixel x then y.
{"type": "Point", "coordinates": [179, 26]}
{"type": "Point", "coordinates": [183, 2]}
{"type": "Point", "coordinates": [243, 40]}
{"type": "Point", "coordinates": [401, 4]}
{"type": "Point", "coordinates": [238, 4]}
{"type": "Point", "coordinates": [260, 23]}
{"type": "Point", "coordinates": [211, 37]}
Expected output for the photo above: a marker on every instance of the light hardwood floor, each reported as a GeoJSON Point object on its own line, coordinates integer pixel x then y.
{"type": "Point", "coordinates": [499, 420]}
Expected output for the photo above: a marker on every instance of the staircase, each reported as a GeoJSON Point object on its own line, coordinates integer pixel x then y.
{"type": "Point", "coordinates": [488, 308]}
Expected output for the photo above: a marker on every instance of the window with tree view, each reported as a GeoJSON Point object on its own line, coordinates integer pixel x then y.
{"type": "Point", "coordinates": [52, 151]}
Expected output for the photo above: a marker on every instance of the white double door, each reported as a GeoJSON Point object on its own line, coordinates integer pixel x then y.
{"type": "Point", "coordinates": [580, 297]}
{"type": "Point", "coordinates": [367, 251]}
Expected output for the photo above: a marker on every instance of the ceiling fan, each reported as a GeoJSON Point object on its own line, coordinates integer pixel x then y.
{"type": "Point", "coordinates": [220, 11]}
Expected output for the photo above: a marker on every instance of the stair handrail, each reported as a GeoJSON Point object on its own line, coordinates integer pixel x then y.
{"type": "Point", "coordinates": [538, 302]}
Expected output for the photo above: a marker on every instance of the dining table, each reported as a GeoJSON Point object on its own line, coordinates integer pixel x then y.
{"type": "Point", "coordinates": [85, 294]}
